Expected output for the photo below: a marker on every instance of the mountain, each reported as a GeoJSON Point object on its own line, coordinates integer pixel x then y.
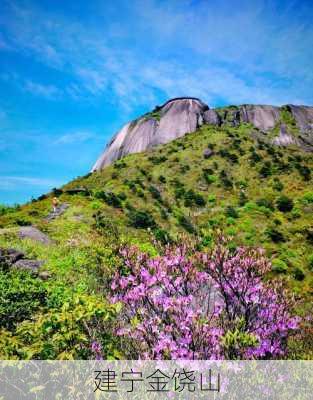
{"type": "Point", "coordinates": [227, 176]}
{"type": "Point", "coordinates": [282, 126]}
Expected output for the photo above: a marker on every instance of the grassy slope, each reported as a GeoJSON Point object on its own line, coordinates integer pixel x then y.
{"type": "Point", "coordinates": [83, 256]}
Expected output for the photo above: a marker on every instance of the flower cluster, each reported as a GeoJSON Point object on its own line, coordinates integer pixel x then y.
{"type": "Point", "coordinates": [184, 306]}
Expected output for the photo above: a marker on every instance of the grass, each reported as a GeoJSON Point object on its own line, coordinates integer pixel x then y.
{"type": "Point", "coordinates": [228, 191]}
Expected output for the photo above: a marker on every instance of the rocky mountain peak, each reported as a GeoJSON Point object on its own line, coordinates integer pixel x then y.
{"type": "Point", "coordinates": [182, 115]}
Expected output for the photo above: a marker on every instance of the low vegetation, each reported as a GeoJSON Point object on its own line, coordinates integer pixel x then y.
{"type": "Point", "coordinates": [257, 195]}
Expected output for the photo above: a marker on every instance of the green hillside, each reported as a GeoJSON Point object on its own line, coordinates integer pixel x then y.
{"type": "Point", "coordinates": [217, 179]}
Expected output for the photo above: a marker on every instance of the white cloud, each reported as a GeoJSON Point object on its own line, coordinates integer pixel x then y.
{"type": "Point", "coordinates": [12, 182]}
{"type": "Point", "coordinates": [177, 48]}
{"type": "Point", "coordinates": [75, 137]}
{"type": "Point", "coordinates": [48, 91]}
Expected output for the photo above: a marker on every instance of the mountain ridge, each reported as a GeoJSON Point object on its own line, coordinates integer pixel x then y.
{"type": "Point", "coordinates": [285, 125]}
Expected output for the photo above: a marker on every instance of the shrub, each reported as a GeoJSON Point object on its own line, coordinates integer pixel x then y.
{"type": "Point", "coordinates": [185, 223]}
{"type": "Point", "coordinates": [266, 169]}
{"type": "Point", "coordinates": [209, 178]}
{"type": "Point", "coordinates": [310, 262]}
{"type": "Point", "coordinates": [304, 171]}
{"type": "Point", "coordinates": [255, 157]}
{"type": "Point", "coordinates": [120, 164]}
{"type": "Point", "coordinates": [307, 198]}
{"type": "Point", "coordinates": [284, 204]}
{"type": "Point", "coordinates": [265, 203]}
{"type": "Point", "coordinates": [193, 198]}
{"type": "Point", "coordinates": [122, 196]}
{"type": "Point", "coordinates": [275, 235]}
{"type": "Point", "coordinates": [298, 274]}
{"type": "Point", "coordinates": [225, 180]}
{"type": "Point", "coordinates": [210, 305]}
{"type": "Point", "coordinates": [243, 199]}
{"type": "Point", "coordinates": [7, 209]}
{"type": "Point", "coordinates": [279, 266]}
{"type": "Point", "coordinates": [162, 179]}
{"type": "Point", "coordinates": [105, 225]}
{"type": "Point", "coordinates": [162, 236]}
{"type": "Point", "coordinates": [57, 192]}
{"type": "Point", "coordinates": [211, 198]}
{"type": "Point", "coordinates": [66, 333]}
{"type": "Point", "coordinates": [277, 185]}
{"type": "Point", "coordinates": [21, 296]}
{"type": "Point", "coordinates": [155, 193]}
{"type": "Point", "coordinates": [231, 212]}
{"type": "Point", "coordinates": [141, 219]}
{"type": "Point", "coordinates": [109, 197]}
{"type": "Point", "coordinates": [184, 168]}
{"type": "Point", "coordinates": [157, 160]}
{"type": "Point", "coordinates": [23, 221]}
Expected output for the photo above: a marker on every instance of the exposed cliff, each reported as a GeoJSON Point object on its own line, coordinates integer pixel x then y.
{"type": "Point", "coordinates": [282, 126]}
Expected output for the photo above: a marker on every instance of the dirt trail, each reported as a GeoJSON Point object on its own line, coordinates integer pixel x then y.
{"type": "Point", "coordinates": [58, 212]}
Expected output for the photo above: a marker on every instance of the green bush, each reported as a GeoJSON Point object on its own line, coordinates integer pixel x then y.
{"type": "Point", "coordinates": [284, 203]}
{"type": "Point", "coordinates": [155, 193]}
{"type": "Point", "coordinates": [65, 333]}
{"type": "Point", "coordinates": [310, 262]}
{"type": "Point", "coordinates": [21, 294]}
{"type": "Point", "coordinates": [185, 223]}
{"type": "Point", "coordinates": [141, 219]}
{"type": "Point", "coordinates": [277, 185]}
{"type": "Point", "coordinates": [265, 203]}
{"type": "Point", "coordinates": [105, 225]}
{"type": "Point", "coordinates": [192, 198]}
{"type": "Point", "coordinates": [162, 179]}
{"type": "Point", "coordinates": [231, 212]}
{"type": "Point", "coordinates": [298, 274]}
{"type": "Point", "coordinates": [266, 169]}
{"type": "Point", "coordinates": [212, 198]}
{"type": "Point", "coordinates": [279, 266]}
{"type": "Point", "coordinates": [162, 236]}
{"type": "Point", "coordinates": [7, 209]}
{"type": "Point", "coordinates": [243, 199]}
{"type": "Point", "coordinates": [304, 171]}
{"type": "Point", "coordinates": [307, 198]}
{"type": "Point", "coordinates": [109, 197]}
{"type": "Point", "coordinates": [210, 178]}
{"type": "Point", "coordinates": [275, 235]}
{"type": "Point", "coordinates": [225, 180]}
{"type": "Point", "coordinates": [23, 221]}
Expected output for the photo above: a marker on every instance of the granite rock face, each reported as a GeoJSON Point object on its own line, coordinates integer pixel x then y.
{"type": "Point", "coordinates": [262, 117]}
{"type": "Point", "coordinates": [166, 123]}
{"type": "Point", "coordinates": [180, 116]}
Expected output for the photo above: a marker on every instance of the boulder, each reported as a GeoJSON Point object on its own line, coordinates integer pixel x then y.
{"type": "Point", "coordinates": [211, 117]}
{"type": "Point", "coordinates": [12, 258]}
{"type": "Point", "coordinates": [207, 153]}
{"type": "Point", "coordinates": [35, 234]}
{"type": "Point", "coordinates": [31, 265]}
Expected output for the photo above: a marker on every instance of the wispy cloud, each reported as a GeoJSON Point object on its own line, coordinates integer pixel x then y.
{"type": "Point", "coordinates": [14, 182]}
{"type": "Point", "coordinates": [258, 53]}
{"type": "Point", "coordinates": [48, 91]}
{"type": "Point", "coordinates": [75, 137]}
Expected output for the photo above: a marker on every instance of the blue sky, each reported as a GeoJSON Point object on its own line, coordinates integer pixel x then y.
{"type": "Point", "coordinates": [73, 72]}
